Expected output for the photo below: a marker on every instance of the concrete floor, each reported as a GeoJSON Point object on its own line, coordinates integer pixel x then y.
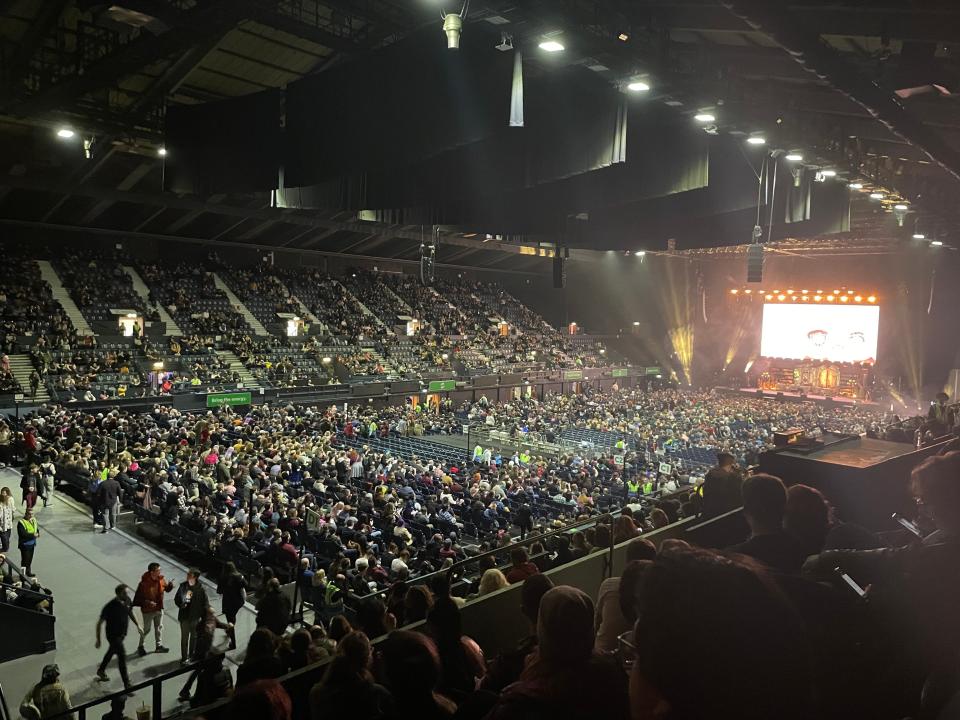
{"type": "Point", "coordinates": [82, 568]}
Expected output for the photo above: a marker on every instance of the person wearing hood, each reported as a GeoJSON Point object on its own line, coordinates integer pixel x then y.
{"type": "Point", "coordinates": [565, 671]}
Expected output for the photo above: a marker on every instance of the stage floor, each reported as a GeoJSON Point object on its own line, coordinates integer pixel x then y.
{"type": "Point", "coordinates": [772, 394]}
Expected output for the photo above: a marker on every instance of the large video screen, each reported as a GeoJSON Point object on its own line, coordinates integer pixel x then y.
{"type": "Point", "coordinates": [842, 333]}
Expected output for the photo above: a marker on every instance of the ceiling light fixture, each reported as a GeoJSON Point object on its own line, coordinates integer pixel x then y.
{"type": "Point", "coordinates": [936, 243]}
{"type": "Point", "coordinates": [162, 152]}
{"type": "Point", "coordinates": [638, 86]}
{"type": "Point", "coordinates": [552, 46]}
{"type": "Point", "coordinates": [757, 140]}
{"type": "Point", "coordinates": [855, 186]}
{"type": "Point", "coordinates": [828, 173]}
{"type": "Point", "coordinates": [704, 118]}
{"type": "Point", "coordinates": [919, 236]}
{"type": "Point", "coordinates": [793, 157]}
{"type": "Point", "coordinates": [876, 196]}
{"type": "Point", "coordinates": [900, 206]}
{"type": "Point", "coordinates": [640, 253]}
{"type": "Point", "coordinates": [623, 37]}
{"type": "Point", "coordinates": [65, 133]}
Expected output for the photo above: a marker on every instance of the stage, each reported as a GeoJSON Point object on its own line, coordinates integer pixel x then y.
{"type": "Point", "coordinates": [797, 397]}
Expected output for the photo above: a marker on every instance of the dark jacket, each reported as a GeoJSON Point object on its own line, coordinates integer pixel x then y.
{"type": "Point", "coordinates": [273, 612]}
{"type": "Point", "coordinates": [192, 609]}
{"type": "Point", "coordinates": [232, 587]}
{"type": "Point", "coordinates": [108, 492]}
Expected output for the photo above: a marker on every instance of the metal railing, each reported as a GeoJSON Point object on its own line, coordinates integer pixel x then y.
{"type": "Point", "coordinates": [156, 687]}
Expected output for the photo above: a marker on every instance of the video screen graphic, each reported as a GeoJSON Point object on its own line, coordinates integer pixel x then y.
{"type": "Point", "coordinates": [841, 333]}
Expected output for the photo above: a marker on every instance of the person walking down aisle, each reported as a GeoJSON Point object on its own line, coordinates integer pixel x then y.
{"type": "Point", "coordinates": [47, 698]}
{"type": "Point", "coordinates": [116, 615]}
{"type": "Point", "coordinates": [192, 600]}
{"type": "Point", "coordinates": [29, 484]}
{"type": "Point", "coordinates": [27, 533]}
{"type": "Point", "coordinates": [6, 518]}
{"type": "Point", "coordinates": [149, 598]}
{"type": "Point", "coordinates": [108, 496]}
{"type": "Point", "coordinates": [233, 587]}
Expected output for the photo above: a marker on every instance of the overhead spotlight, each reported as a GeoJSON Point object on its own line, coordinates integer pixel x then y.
{"type": "Point", "coordinates": [843, 298]}
{"type": "Point", "coordinates": [919, 236]}
{"type": "Point", "coordinates": [817, 298]}
{"type": "Point", "coordinates": [623, 37]}
{"type": "Point", "coordinates": [704, 118]}
{"type": "Point", "coordinates": [836, 292]}
{"type": "Point", "coordinates": [781, 297]}
{"type": "Point", "coordinates": [747, 291]}
{"type": "Point", "coordinates": [640, 253]}
{"type": "Point", "coordinates": [793, 157]}
{"type": "Point", "coordinates": [636, 323]}
{"type": "Point", "coordinates": [638, 86]}
{"type": "Point", "coordinates": [876, 196]}
{"type": "Point", "coordinates": [789, 292]}
{"type": "Point", "coordinates": [65, 133]}
{"type": "Point", "coordinates": [756, 140]}
{"type": "Point", "coordinates": [858, 298]}
{"type": "Point", "coordinates": [828, 173]}
{"type": "Point", "coordinates": [734, 291]}
{"type": "Point", "coordinates": [829, 298]}
{"type": "Point", "coordinates": [768, 297]}
{"type": "Point", "coordinates": [453, 26]}
{"type": "Point", "coordinates": [872, 298]}
{"type": "Point", "coordinates": [936, 243]}
{"type": "Point", "coordinates": [849, 292]}
{"type": "Point", "coordinates": [805, 297]}
{"type": "Point", "coordinates": [552, 46]}
{"type": "Point", "coordinates": [855, 186]}
{"type": "Point", "coordinates": [900, 206]}
{"type": "Point", "coordinates": [162, 152]}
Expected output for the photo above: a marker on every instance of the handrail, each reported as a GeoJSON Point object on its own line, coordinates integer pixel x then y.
{"type": "Point", "coordinates": [529, 540]}
{"type": "Point", "coordinates": [4, 710]}
{"type": "Point", "coordinates": [156, 683]}
{"type": "Point", "coordinates": [28, 591]}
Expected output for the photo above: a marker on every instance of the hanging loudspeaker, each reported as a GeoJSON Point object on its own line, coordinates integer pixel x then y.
{"type": "Point", "coordinates": [755, 263]}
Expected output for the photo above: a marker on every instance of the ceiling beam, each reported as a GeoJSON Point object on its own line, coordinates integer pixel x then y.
{"type": "Point", "coordinates": [135, 176]}
{"type": "Point", "coordinates": [37, 31]}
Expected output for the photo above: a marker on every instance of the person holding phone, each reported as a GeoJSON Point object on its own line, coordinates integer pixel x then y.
{"type": "Point", "coordinates": [192, 601]}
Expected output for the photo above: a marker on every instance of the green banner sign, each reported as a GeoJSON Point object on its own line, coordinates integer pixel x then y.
{"type": "Point", "coordinates": [653, 371]}
{"type": "Point", "coordinates": [573, 374]}
{"type": "Point", "coordinates": [620, 372]}
{"type": "Point", "coordinates": [442, 385]}
{"type": "Point", "coordinates": [225, 399]}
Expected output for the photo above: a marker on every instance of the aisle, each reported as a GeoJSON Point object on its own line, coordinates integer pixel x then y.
{"type": "Point", "coordinates": [82, 568]}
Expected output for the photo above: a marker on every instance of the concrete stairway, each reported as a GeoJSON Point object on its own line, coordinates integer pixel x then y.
{"type": "Point", "coordinates": [229, 357]}
{"type": "Point", "coordinates": [21, 367]}
{"type": "Point", "coordinates": [363, 308]}
{"type": "Point", "coordinates": [61, 295]}
{"type": "Point", "coordinates": [255, 324]}
{"type": "Point", "coordinates": [141, 289]}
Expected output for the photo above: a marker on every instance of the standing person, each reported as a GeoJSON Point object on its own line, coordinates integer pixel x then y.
{"type": "Point", "coordinates": [192, 600]}
{"type": "Point", "coordinates": [108, 495]}
{"type": "Point", "coordinates": [116, 615]}
{"type": "Point", "coordinates": [149, 598]}
{"type": "Point", "coordinates": [6, 518]}
{"type": "Point", "coordinates": [34, 383]}
{"type": "Point", "coordinates": [27, 533]}
{"type": "Point", "coordinates": [47, 698]}
{"type": "Point", "coordinates": [29, 483]}
{"type": "Point", "coordinates": [273, 610]}
{"type": "Point", "coordinates": [233, 587]}
{"type": "Point", "coordinates": [48, 480]}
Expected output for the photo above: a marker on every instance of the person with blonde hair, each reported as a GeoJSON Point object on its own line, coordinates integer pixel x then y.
{"type": "Point", "coordinates": [491, 581]}
{"type": "Point", "coordinates": [7, 506]}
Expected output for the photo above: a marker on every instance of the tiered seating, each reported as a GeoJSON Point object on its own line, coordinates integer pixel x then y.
{"type": "Point", "coordinates": [430, 306]}
{"type": "Point", "coordinates": [367, 287]}
{"type": "Point", "coordinates": [262, 293]}
{"type": "Point", "coordinates": [108, 371]}
{"type": "Point", "coordinates": [96, 284]}
{"type": "Point", "coordinates": [191, 296]}
{"type": "Point", "coordinates": [331, 303]}
{"type": "Point", "coordinates": [27, 306]}
{"type": "Point", "coordinates": [275, 365]}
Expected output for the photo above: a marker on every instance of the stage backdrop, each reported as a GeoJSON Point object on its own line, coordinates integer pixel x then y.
{"type": "Point", "coordinates": [821, 331]}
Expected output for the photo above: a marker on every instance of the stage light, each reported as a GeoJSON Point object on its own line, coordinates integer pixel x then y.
{"type": "Point", "coordinates": [855, 186]}
{"type": "Point", "coordinates": [757, 140]}
{"type": "Point", "coordinates": [793, 157]}
{"type": "Point", "coordinates": [817, 298]}
{"type": "Point", "coordinates": [638, 86]}
{"type": "Point", "coordinates": [829, 298]}
{"type": "Point", "coordinates": [623, 37]}
{"type": "Point", "coordinates": [162, 152]}
{"type": "Point", "coordinates": [843, 298]}
{"type": "Point", "coordinates": [733, 292]}
{"type": "Point", "coordinates": [876, 196]}
{"type": "Point", "coordinates": [769, 297]}
{"type": "Point", "coordinates": [819, 292]}
{"type": "Point", "coordinates": [65, 133]}
{"type": "Point", "coordinates": [804, 292]}
{"type": "Point", "coordinates": [919, 236]}
{"type": "Point", "coordinates": [776, 292]}
{"type": "Point", "coordinates": [640, 253]}
{"type": "Point", "coordinates": [900, 206]}
{"type": "Point", "coordinates": [636, 323]}
{"type": "Point", "coordinates": [789, 292]}
{"type": "Point", "coordinates": [704, 118]}
{"type": "Point", "coordinates": [805, 298]}
{"type": "Point", "coordinates": [747, 291]}
{"type": "Point", "coordinates": [781, 297]}
{"type": "Point", "coordinates": [552, 46]}
{"type": "Point", "coordinates": [849, 292]}
{"type": "Point", "coordinates": [836, 292]}
{"type": "Point", "coordinates": [858, 298]}
{"type": "Point", "coordinates": [936, 243]}
{"type": "Point", "coordinates": [871, 299]}
{"type": "Point", "coordinates": [828, 173]}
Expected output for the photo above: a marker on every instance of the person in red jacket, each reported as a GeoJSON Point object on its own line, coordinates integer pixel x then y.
{"type": "Point", "coordinates": [149, 598]}
{"type": "Point", "coordinates": [522, 567]}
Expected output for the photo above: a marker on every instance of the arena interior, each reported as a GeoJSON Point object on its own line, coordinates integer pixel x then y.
{"type": "Point", "coordinates": [479, 359]}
